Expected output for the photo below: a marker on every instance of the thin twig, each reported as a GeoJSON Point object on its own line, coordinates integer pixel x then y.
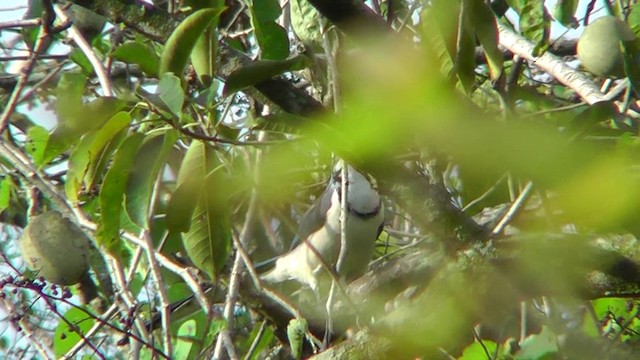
{"type": "Point", "coordinates": [20, 23]}
{"type": "Point", "coordinates": [25, 327]}
{"type": "Point", "coordinates": [238, 262]}
{"type": "Point", "coordinates": [22, 81]}
{"type": "Point", "coordinates": [81, 42]}
{"type": "Point", "coordinates": [518, 203]}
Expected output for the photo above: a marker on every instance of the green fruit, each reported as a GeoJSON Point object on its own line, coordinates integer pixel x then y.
{"type": "Point", "coordinates": [55, 248]}
{"type": "Point", "coordinates": [599, 47]}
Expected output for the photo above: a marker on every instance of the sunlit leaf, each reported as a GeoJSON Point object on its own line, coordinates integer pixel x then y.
{"type": "Point", "coordinates": [183, 339]}
{"type": "Point", "coordinates": [37, 139]}
{"type": "Point", "coordinates": [6, 186]}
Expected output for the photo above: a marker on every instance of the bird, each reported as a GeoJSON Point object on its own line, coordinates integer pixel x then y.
{"type": "Point", "coordinates": [320, 228]}
{"type": "Point", "coordinates": [320, 233]}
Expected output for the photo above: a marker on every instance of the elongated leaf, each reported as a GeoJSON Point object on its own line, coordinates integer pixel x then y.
{"type": "Point", "coordinates": [88, 117]}
{"type": "Point", "coordinates": [203, 55]}
{"type": "Point", "coordinates": [78, 163]}
{"type": "Point", "coordinates": [198, 162]}
{"type": "Point", "coordinates": [147, 165]}
{"type": "Point", "coordinates": [88, 151]}
{"type": "Point", "coordinates": [272, 38]}
{"type": "Point", "coordinates": [183, 39]}
{"type": "Point", "coordinates": [112, 192]}
{"type": "Point", "coordinates": [273, 41]}
{"type": "Point", "coordinates": [564, 12]}
{"type": "Point", "coordinates": [486, 28]}
{"type": "Point", "coordinates": [263, 70]}
{"type": "Point", "coordinates": [6, 186]}
{"type": "Point", "coordinates": [135, 52]}
{"type": "Point", "coordinates": [208, 241]}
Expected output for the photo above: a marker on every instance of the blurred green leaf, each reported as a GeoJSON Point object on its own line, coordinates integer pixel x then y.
{"type": "Point", "coordinates": [477, 351]}
{"type": "Point", "coordinates": [184, 343]}
{"type": "Point", "coordinates": [135, 52]}
{"type": "Point", "coordinates": [84, 118]}
{"type": "Point", "coordinates": [77, 56]}
{"type": "Point", "coordinates": [537, 346]}
{"type": "Point", "coordinates": [37, 138]}
{"type": "Point", "coordinates": [564, 12]}
{"type": "Point", "coordinates": [535, 24]}
{"type": "Point", "coordinates": [66, 337]}
{"type": "Point", "coordinates": [69, 91]}
{"type": "Point", "coordinates": [6, 187]}
{"type": "Point", "coordinates": [149, 160]}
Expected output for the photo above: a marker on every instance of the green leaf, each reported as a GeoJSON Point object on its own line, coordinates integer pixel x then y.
{"type": "Point", "coordinates": [183, 39]}
{"type": "Point", "coordinates": [148, 162]}
{"type": "Point", "coordinates": [6, 186]}
{"type": "Point", "coordinates": [89, 150]}
{"type": "Point", "coordinates": [186, 332]}
{"type": "Point", "coordinates": [479, 351]}
{"type": "Point", "coordinates": [273, 41]}
{"type": "Point", "coordinates": [37, 138]}
{"type": "Point", "coordinates": [266, 10]}
{"type": "Point", "coordinates": [536, 346]}
{"type": "Point", "coordinates": [199, 161]}
{"type": "Point", "coordinates": [263, 70]}
{"type": "Point", "coordinates": [66, 337]}
{"type": "Point", "coordinates": [86, 118]}
{"type": "Point", "coordinates": [534, 25]}
{"type": "Point", "coordinates": [69, 92]}
{"type": "Point", "coordinates": [112, 192]}
{"type": "Point", "coordinates": [564, 12]}
{"type": "Point", "coordinates": [296, 331]}
{"type": "Point", "coordinates": [169, 97]}
{"type": "Point", "coordinates": [486, 28]}
{"type": "Point", "coordinates": [77, 56]}
{"type": "Point", "coordinates": [305, 21]}
{"type": "Point", "coordinates": [171, 94]}
{"type": "Point", "coordinates": [203, 55]}
{"type": "Point", "coordinates": [272, 38]}
{"type": "Point", "coordinates": [451, 49]}
{"type": "Point", "coordinates": [135, 52]}
{"type": "Point", "coordinates": [208, 241]}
